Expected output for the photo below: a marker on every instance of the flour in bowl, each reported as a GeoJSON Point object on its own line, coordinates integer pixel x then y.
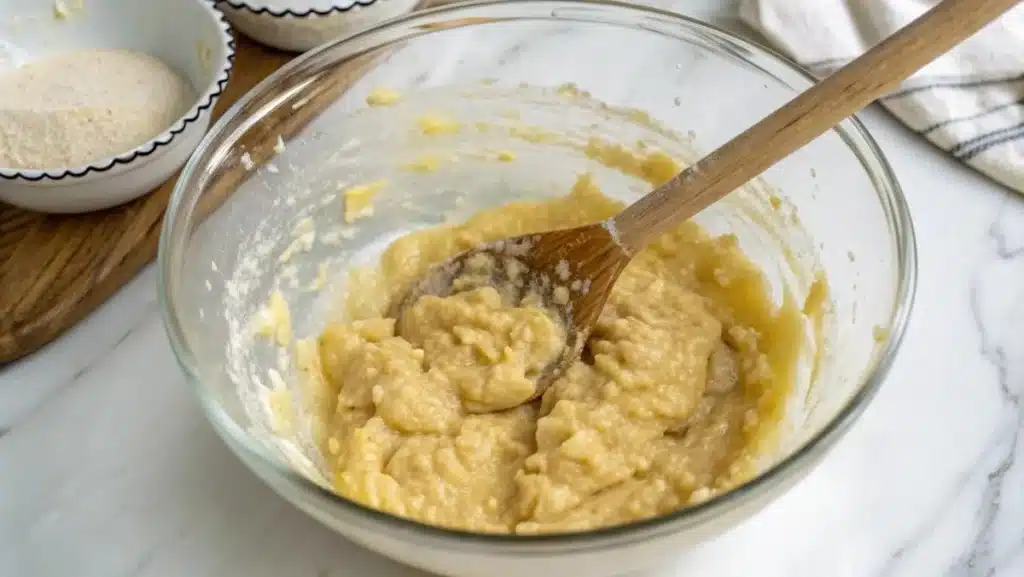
{"type": "Point", "coordinates": [80, 107]}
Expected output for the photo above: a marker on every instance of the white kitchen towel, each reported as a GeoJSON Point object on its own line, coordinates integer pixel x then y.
{"type": "Point", "coordinates": [969, 102]}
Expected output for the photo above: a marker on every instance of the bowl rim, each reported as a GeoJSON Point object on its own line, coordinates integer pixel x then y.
{"type": "Point", "coordinates": [266, 8]}
{"type": "Point", "coordinates": [886, 187]}
{"type": "Point", "coordinates": [203, 101]}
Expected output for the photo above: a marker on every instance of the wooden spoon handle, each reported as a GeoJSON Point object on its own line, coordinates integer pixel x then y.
{"type": "Point", "coordinates": [804, 118]}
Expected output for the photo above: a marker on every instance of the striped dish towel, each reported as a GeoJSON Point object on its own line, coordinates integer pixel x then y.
{"type": "Point", "coordinates": [969, 102]}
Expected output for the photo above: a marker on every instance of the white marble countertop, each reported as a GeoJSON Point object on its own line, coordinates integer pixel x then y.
{"type": "Point", "coordinates": [108, 469]}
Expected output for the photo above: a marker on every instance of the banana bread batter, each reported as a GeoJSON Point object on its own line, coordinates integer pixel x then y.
{"type": "Point", "coordinates": [683, 380]}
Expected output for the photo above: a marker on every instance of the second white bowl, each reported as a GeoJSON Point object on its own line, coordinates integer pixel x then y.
{"type": "Point", "coordinates": [300, 25]}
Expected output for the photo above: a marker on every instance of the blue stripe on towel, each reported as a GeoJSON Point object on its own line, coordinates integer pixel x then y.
{"type": "Point", "coordinates": [953, 84]}
{"type": "Point", "coordinates": [986, 146]}
{"type": "Point", "coordinates": [974, 116]}
{"type": "Point", "coordinates": [972, 147]}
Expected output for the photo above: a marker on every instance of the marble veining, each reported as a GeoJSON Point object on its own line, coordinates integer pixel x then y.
{"type": "Point", "coordinates": [998, 310]}
{"type": "Point", "coordinates": [108, 469]}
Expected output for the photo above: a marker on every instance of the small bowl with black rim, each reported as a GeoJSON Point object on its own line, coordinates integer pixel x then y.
{"type": "Point", "coordinates": [300, 25]}
{"type": "Point", "coordinates": [190, 36]}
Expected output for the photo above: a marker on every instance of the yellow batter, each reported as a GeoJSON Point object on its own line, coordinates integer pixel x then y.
{"type": "Point", "coordinates": [683, 378]}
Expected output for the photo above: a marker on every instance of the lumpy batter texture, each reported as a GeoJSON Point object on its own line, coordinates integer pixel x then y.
{"type": "Point", "coordinates": [682, 380]}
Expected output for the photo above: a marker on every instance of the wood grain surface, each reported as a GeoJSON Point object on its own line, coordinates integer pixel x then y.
{"type": "Point", "coordinates": [55, 269]}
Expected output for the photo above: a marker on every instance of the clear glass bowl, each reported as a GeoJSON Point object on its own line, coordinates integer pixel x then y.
{"type": "Point", "coordinates": [227, 228]}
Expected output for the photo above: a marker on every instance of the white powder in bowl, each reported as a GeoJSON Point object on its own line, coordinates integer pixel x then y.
{"type": "Point", "coordinates": [80, 107]}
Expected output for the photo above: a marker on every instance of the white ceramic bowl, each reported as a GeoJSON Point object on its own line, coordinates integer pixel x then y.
{"type": "Point", "coordinates": [188, 35]}
{"type": "Point", "coordinates": [299, 25]}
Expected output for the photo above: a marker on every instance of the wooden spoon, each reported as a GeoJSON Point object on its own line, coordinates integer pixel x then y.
{"type": "Point", "coordinates": [587, 260]}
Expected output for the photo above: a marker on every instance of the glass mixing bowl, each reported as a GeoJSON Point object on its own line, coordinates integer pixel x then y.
{"type": "Point", "coordinates": [249, 215]}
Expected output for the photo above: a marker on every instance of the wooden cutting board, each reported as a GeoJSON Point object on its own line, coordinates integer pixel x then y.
{"type": "Point", "coordinates": [55, 269]}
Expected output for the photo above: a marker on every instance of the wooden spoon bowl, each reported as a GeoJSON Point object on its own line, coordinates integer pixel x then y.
{"type": "Point", "coordinates": [571, 272]}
